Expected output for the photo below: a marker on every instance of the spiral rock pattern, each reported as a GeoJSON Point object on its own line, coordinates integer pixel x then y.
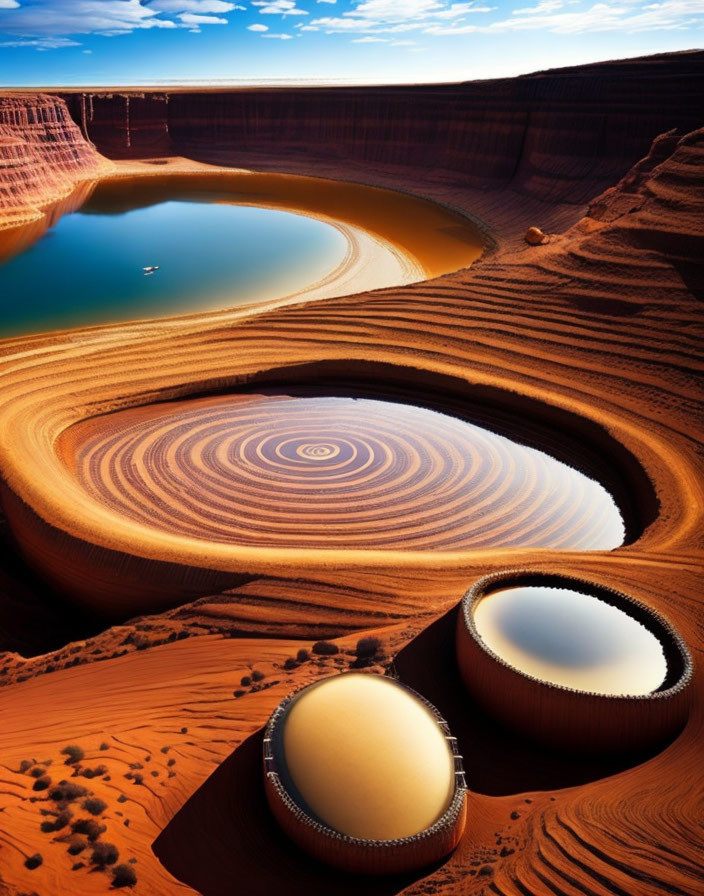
{"type": "Point", "coordinates": [335, 472]}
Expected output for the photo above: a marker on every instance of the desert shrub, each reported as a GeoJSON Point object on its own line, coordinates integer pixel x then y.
{"type": "Point", "coordinates": [303, 655]}
{"type": "Point", "coordinates": [138, 779]}
{"type": "Point", "coordinates": [89, 827]}
{"type": "Point", "coordinates": [171, 762]}
{"type": "Point", "coordinates": [25, 764]}
{"type": "Point", "coordinates": [59, 822]}
{"type": "Point", "coordinates": [245, 681]}
{"type": "Point", "coordinates": [104, 746]}
{"type": "Point", "coordinates": [122, 798]}
{"type": "Point", "coordinates": [94, 772]}
{"type": "Point", "coordinates": [67, 791]}
{"type": "Point", "coordinates": [325, 648]}
{"type": "Point", "coordinates": [104, 854]}
{"type": "Point", "coordinates": [33, 861]}
{"type": "Point", "coordinates": [290, 663]}
{"type": "Point", "coordinates": [165, 749]}
{"type": "Point", "coordinates": [37, 771]}
{"type": "Point", "coordinates": [368, 647]}
{"type": "Point", "coordinates": [239, 693]}
{"type": "Point", "coordinates": [73, 754]}
{"type": "Point", "coordinates": [78, 844]}
{"type": "Point", "coordinates": [123, 876]}
{"type": "Point", "coordinates": [94, 805]}
{"type": "Point", "coordinates": [43, 783]}
{"type": "Point", "coordinates": [184, 731]}
{"type": "Point", "coordinates": [257, 675]}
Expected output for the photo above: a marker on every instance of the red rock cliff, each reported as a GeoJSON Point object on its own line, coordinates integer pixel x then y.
{"type": "Point", "coordinates": [42, 155]}
{"type": "Point", "coordinates": [561, 135]}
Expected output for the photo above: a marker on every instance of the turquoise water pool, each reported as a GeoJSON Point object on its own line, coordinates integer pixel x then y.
{"type": "Point", "coordinates": [90, 267]}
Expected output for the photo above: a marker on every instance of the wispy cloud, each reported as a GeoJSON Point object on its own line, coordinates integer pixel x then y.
{"type": "Point", "coordinates": [42, 43]}
{"type": "Point", "coordinates": [278, 36]}
{"type": "Point", "coordinates": [53, 18]}
{"type": "Point", "coordinates": [624, 16]}
{"type": "Point", "coordinates": [279, 8]}
{"type": "Point", "coordinates": [257, 27]}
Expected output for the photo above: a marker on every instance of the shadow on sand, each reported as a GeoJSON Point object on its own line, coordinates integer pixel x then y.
{"type": "Point", "coordinates": [224, 839]}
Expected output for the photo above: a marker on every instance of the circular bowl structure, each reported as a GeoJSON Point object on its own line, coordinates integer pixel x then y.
{"type": "Point", "coordinates": [363, 774]}
{"type": "Point", "coordinates": [572, 664]}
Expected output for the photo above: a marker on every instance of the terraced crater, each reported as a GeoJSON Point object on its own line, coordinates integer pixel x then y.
{"type": "Point", "coordinates": [333, 472]}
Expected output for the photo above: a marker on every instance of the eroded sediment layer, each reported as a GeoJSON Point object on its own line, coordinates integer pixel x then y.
{"type": "Point", "coordinates": [43, 155]}
{"type": "Point", "coordinates": [552, 135]}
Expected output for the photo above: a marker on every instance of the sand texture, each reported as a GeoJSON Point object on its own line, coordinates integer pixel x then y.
{"type": "Point", "coordinates": [589, 345]}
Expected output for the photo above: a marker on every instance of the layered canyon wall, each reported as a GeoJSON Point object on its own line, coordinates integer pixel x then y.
{"type": "Point", "coordinates": [42, 155]}
{"type": "Point", "coordinates": [560, 136]}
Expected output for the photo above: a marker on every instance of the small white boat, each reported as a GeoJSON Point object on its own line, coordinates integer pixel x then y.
{"type": "Point", "coordinates": [149, 269]}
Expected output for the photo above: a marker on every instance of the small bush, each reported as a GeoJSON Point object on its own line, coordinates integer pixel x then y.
{"type": "Point", "coordinates": [368, 647]}
{"type": "Point", "coordinates": [78, 844]}
{"type": "Point", "coordinates": [66, 792]}
{"type": "Point", "coordinates": [184, 731]}
{"type": "Point", "coordinates": [43, 783]}
{"type": "Point", "coordinates": [89, 827]}
{"type": "Point", "coordinates": [239, 693]}
{"type": "Point", "coordinates": [94, 772]}
{"type": "Point", "coordinates": [245, 681]}
{"type": "Point", "coordinates": [38, 771]}
{"type": "Point", "coordinates": [290, 663]}
{"type": "Point", "coordinates": [257, 675]}
{"type": "Point", "coordinates": [171, 762]}
{"type": "Point", "coordinates": [123, 876]}
{"type": "Point", "coordinates": [122, 798]}
{"type": "Point", "coordinates": [325, 648]}
{"type": "Point", "coordinates": [104, 746]}
{"type": "Point", "coordinates": [303, 655]}
{"type": "Point", "coordinates": [73, 754]}
{"type": "Point", "coordinates": [33, 861]}
{"type": "Point", "coordinates": [25, 764]}
{"type": "Point", "coordinates": [59, 822]}
{"type": "Point", "coordinates": [104, 854]}
{"type": "Point", "coordinates": [94, 805]}
{"type": "Point", "coordinates": [165, 749]}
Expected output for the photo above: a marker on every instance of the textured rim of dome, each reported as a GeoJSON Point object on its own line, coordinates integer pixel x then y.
{"type": "Point", "coordinates": [670, 639]}
{"type": "Point", "coordinates": [444, 823]}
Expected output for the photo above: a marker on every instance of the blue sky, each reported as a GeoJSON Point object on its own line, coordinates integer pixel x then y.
{"type": "Point", "coordinates": [122, 42]}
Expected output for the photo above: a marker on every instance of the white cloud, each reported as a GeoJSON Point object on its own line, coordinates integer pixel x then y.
{"type": "Point", "coordinates": [326, 1]}
{"type": "Point", "coordinates": [87, 52]}
{"type": "Point", "coordinates": [278, 36]}
{"type": "Point", "coordinates": [189, 18]}
{"type": "Point", "coordinates": [42, 43]}
{"type": "Point", "coordinates": [198, 6]}
{"type": "Point", "coordinates": [370, 40]}
{"type": "Point", "coordinates": [670, 15]}
{"type": "Point", "coordinates": [388, 16]}
{"type": "Point", "coordinates": [279, 8]}
{"type": "Point", "coordinates": [52, 18]}
{"type": "Point", "coordinates": [257, 27]}
{"type": "Point", "coordinates": [309, 28]}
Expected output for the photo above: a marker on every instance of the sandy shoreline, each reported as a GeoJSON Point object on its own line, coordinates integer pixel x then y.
{"type": "Point", "coordinates": [383, 250]}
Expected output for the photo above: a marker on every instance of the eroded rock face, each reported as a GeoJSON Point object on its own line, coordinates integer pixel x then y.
{"type": "Point", "coordinates": [557, 136]}
{"type": "Point", "coordinates": [43, 155]}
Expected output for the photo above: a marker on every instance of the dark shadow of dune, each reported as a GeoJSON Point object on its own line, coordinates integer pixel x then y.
{"type": "Point", "coordinates": [224, 840]}
{"type": "Point", "coordinates": [497, 762]}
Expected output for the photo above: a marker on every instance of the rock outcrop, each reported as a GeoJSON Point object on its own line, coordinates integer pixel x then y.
{"type": "Point", "coordinates": [43, 155]}
{"type": "Point", "coordinates": [561, 135]}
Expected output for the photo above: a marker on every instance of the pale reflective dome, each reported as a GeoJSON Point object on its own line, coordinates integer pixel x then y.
{"type": "Point", "coordinates": [568, 638]}
{"type": "Point", "coordinates": [367, 757]}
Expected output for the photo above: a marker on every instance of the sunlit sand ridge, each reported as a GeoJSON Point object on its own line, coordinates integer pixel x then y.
{"type": "Point", "coordinates": [368, 758]}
